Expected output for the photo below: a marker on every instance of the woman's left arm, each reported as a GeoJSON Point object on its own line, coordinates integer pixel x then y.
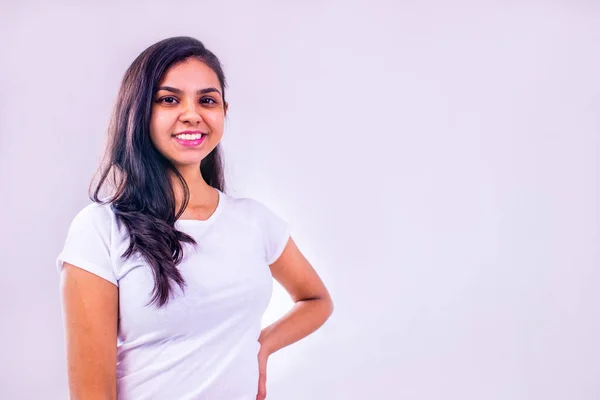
{"type": "Point", "coordinates": [312, 307]}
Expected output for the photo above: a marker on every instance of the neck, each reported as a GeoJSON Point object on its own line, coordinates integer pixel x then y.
{"type": "Point", "coordinates": [200, 191]}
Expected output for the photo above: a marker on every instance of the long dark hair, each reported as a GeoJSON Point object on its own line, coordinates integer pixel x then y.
{"type": "Point", "coordinates": [143, 196]}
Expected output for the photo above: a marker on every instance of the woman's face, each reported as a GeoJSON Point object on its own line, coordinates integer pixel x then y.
{"type": "Point", "coordinates": [187, 104]}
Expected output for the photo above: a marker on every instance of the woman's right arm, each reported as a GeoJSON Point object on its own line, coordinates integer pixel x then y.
{"type": "Point", "coordinates": [90, 315]}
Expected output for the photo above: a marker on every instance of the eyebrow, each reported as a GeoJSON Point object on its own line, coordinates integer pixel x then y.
{"type": "Point", "coordinates": [178, 91]}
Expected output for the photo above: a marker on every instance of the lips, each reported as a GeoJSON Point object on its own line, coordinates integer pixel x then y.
{"type": "Point", "coordinates": [190, 141]}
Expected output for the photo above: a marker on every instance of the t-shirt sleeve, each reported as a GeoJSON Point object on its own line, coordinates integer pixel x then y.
{"type": "Point", "coordinates": [276, 232]}
{"type": "Point", "coordinates": [87, 245]}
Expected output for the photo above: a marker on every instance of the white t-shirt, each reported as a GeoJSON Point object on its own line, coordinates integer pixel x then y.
{"type": "Point", "coordinates": [204, 343]}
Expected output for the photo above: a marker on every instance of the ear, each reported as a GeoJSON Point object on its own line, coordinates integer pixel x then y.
{"type": "Point", "coordinates": [225, 108]}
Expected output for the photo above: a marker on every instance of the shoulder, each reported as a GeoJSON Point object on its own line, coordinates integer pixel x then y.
{"type": "Point", "coordinates": [247, 204]}
{"type": "Point", "coordinates": [259, 213]}
{"type": "Point", "coordinates": [249, 207]}
{"type": "Point", "coordinates": [95, 211]}
{"type": "Point", "coordinates": [94, 216]}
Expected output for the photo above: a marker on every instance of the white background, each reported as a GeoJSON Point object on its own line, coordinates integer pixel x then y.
{"type": "Point", "coordinates": [438, 161]}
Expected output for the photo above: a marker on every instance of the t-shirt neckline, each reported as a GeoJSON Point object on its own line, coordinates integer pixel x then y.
{"type": "Point", "coordinates": [212, 217]}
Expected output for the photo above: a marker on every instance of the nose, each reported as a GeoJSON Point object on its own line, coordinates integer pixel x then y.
{"type": "Point", "coordinates": [190, 113]}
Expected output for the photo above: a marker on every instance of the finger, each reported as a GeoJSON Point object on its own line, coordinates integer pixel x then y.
{"type": "Point", "coordinates": [262, 387]}
{"type": "Point", "coordinates": [262, 394]}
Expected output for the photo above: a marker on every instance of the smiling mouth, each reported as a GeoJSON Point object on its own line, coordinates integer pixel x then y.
{"type": "Point", "coordinates": [190, 136]}
{"type": "Point", "coordinates": [190, 140]}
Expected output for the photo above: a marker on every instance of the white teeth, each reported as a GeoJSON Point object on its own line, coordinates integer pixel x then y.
{"type": "Point", "coordinates": [187, 136]}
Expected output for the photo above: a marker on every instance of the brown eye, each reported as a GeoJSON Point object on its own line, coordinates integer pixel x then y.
{"type": "Point", "coordinates": [167, 100]}
{"type": "Point", "coordinates": [209, 99]}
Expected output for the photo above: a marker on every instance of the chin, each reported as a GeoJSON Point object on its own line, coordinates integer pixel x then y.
{"type": "Point", "coordinates": [185, 162]}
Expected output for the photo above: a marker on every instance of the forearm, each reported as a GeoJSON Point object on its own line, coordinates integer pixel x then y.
{"type": "Point", "coordinates": [90, 384]}
{"type": "Point", "coordinates": [305, 317]}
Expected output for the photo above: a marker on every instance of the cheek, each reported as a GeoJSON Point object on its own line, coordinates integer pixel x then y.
{"type": "Point", "coordinates": [217, 123]}
{"type": "Point", "coordinates": [161, 121]}
{"type": "Point", "coordinates": [160, 126]}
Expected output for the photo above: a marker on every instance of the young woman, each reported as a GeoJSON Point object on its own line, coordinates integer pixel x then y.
{"type": "Point", "coordinates": [164, 280]}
